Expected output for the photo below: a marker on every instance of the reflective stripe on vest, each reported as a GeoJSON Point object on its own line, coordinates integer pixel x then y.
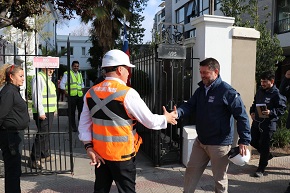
{"type": "Point", "coordinates": [49, 99]}
{"type": "Point", "coordinates": [115, 133]}
{"type": "Point", "coordinates": [75, 84]}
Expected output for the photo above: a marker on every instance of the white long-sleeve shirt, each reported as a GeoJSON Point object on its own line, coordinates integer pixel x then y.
{"type": "Point", "coordinates": [63, 81]}
{"type": "Point", "coordinates": [37, 93]}
{"type": "Point", "coordinates": [135, 106]}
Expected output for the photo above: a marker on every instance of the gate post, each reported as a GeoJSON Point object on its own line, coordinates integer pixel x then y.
{"type": "Point", "coordinates": [233, 47]}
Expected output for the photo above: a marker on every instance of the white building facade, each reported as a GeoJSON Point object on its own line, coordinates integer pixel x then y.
{"type": "Point", "coordinates": [79, 51]}
{"type": "Point", "coordinates": [185, 11]}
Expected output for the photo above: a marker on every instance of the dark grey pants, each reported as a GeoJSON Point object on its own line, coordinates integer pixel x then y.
{"type": "Point", "coordinates": [9, 144]}
{"type": "Point", "coordinates": [40, 147]}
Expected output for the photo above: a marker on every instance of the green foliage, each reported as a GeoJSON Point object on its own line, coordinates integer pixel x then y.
{"type": "Point", "coordinates": [281, 137]}
{"type": "Point", "coordinates": [107, 21]}
{"type": "Point", "coordinates": [14, 13]}
{"type": "Point", "coordinates": [62, 68]}
{"type": "Point", "coordinates": [28, 87]}
{"type": "Point", "coordinates": [269, 51]}
{"type": "Point", "coordinates": [234, 8]}
{"type": "Point", "coordinates": [96, 53]}
{"type": "Point", "coordinates": [92, 74]}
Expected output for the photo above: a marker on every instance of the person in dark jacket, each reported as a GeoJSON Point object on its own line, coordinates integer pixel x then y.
{"type": "Point", "coordinates": [215, 104]}
{"type": "Point", "coordinates": [285, 90]}
{"type": "Point", "coordinates": [264, 124]}
{"type": "Point", "coordinates": [14, 117]}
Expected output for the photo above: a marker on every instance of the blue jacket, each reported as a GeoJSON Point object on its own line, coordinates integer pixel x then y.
{"type": "Point", "coordinates": [285, 90]}
{"type": "Point", "coordinates": [275, 102]}
{"type": "Point", "coordinates": [215, 113]}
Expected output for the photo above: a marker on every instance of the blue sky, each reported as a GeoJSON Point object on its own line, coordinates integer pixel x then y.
{"type": "Point", "coordinates": [149, 12]}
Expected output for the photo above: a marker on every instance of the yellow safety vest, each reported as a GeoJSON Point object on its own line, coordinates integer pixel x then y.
{"type": "Point", "coordinates": [75, 84]}
{"type": "Point", "coordinates": [113, 135]}
{"type": "Point", "coordinates": [49, 99]}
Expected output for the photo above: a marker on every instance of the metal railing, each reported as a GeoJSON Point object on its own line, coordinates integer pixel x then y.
{"type": "Point", "coordinates": [60, 135]}
{"type": "Point", "coordinates": [282, 26]}
{"type": "Point", "coordinates": [162, 82]}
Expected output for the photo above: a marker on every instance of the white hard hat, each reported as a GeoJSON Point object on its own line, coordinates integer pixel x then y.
{"type": "Point", "coordinates": [237, 158]}
{"type": "Point", "coordinates": [116, 58]}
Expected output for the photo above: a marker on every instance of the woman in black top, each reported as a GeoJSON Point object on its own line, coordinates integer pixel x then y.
{"type": "Point", "coordinates": [14, 117]}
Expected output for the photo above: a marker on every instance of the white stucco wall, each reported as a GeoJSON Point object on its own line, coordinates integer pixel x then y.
{"type": "Point", "coordinates": [77, 42]}
{"type": "Point", "coordinates": [213, 40]}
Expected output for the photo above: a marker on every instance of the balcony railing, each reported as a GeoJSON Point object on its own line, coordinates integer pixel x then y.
{"type": "Point", "coordinates": [282, 26]}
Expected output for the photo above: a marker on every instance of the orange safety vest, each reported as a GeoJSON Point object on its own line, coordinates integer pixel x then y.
{"type": "Point", "coordinates": [114, 138]}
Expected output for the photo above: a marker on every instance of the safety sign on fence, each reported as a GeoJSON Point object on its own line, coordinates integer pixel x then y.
{"type": "Point", "coordinates": [46, 62]}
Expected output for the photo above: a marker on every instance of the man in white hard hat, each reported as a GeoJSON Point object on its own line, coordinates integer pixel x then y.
{"type": "Point", "coordinates": [106, 125]}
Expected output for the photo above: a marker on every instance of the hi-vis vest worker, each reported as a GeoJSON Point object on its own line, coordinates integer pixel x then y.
{"type": "Point", "coordinates": [106, 125]}
{"type": "Point", "coordinates": [49, 99]}
{"type": "Point", "coordinates": [76, 82]}
{"type": "Point", "coordinates": [116, 137]}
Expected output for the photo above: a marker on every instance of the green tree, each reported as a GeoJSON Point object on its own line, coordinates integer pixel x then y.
{"type": "Point", "coordinates": [135, 32]}
{"type": "Point", "coordinates": [107, 22]}
{"type": "Point", "coordinates": [96, 53]}
{"type": "Point", "coordinates": [246, 14]}
{"type": "Point", "coordinates": [15, 13]}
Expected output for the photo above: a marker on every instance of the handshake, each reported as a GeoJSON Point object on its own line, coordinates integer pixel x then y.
{"type": "Point", "coordinates": [171, 117]}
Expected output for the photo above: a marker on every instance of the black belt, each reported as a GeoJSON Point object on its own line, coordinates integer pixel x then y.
{"type": "Point", "coordinates": [130, 155]}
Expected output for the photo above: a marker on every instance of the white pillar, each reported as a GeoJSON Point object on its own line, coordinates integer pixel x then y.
{"type": "Point", "coordinates": [214, 39]}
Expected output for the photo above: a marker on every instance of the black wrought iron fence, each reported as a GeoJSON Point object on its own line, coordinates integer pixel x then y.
{"type": "Point", "coordinates": [60, 136]}
{"type": "Point", "coordinates": [162, 83]}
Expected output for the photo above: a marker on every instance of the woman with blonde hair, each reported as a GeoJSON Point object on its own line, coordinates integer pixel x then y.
{"type": "Point", "coordinates": [14, 117]}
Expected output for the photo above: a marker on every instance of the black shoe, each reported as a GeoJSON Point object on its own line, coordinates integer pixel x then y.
{"type": "Point", "coordinates": [34, 164]}
{"type": "Point", "coordinates": [48, 159]}
{"type": "Point", "coordinates": [259, 173]}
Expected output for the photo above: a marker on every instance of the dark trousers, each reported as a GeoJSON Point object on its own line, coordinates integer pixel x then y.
{"type": "Point", "coordinates": [9, 144]}
{"type": "Point", "coordinates": [60, 94]}
{"type": "Point", "coordinates": [40, 147]}
{"type": "Point", "coordinates": [76, 103]}
{"type": "Point", "coordinates": [261, 142]}
{"type": "Point", "coordinates": [122, 172]}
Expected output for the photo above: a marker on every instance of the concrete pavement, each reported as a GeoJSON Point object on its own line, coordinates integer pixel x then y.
{"type": "Point", "coordinates": [150, 179]}
{"type": "Point", "coordinates": [165, 179]}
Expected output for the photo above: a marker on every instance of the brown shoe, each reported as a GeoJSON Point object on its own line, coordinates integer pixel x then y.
{"type": "Point", "coordinates": [34, 164]}
{"type": "Point", "coordinates": [48, 159]}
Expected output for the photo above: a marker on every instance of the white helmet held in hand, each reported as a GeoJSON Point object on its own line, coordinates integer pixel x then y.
{"type": "Point", "coordinates": [237, 158]}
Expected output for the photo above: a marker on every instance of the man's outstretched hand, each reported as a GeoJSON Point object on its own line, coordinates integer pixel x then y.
{"type": "Point", "coordinates": [170, 117]}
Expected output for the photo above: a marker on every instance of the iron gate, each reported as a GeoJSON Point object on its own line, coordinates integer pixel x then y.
{"type": "Point", "coordinates": [61, 137]}
{"type": "Point", "coordinates": [163, 83]}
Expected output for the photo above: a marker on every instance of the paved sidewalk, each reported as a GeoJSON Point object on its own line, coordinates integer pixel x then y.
{"type": "Point", "coordinates": [150, 179]}
{"type": "Point", "coordinates": [165, 179]}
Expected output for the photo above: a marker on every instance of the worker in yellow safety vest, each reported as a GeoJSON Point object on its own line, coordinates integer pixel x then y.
{"type": "Point", "coordinates": [106, 125]}
{"type": "Point", "coordinates": [44, 102]}
{"type": "Point", "coordinates": [75, 92]}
